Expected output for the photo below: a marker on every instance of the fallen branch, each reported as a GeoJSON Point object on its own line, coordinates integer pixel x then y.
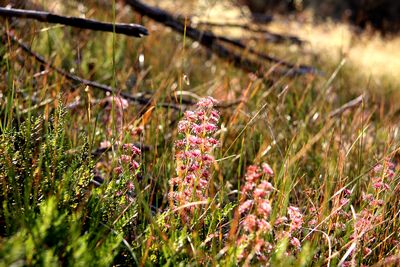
{"type": "Point", "coordinates": [122, 28]}
{"type": "Point", "coordinates": [210, 41]}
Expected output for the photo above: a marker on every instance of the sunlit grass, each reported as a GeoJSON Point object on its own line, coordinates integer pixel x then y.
{"type": "Point", "coordinates": [52, 213]}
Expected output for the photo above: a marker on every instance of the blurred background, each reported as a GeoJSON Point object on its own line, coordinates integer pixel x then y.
{"type": "Point", "coordinates": [383, 15]}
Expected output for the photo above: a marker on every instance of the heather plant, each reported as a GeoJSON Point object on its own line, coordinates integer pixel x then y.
{"type": "Point", "coordinates": [371, 215]}
{"type": "Point", "coordinates": [46, 200]}
{"type": "Point", "coordinates": [257, 237]}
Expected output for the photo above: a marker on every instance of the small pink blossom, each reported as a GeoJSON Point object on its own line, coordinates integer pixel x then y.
{"type": "Point", "coordinates": [105, 144]}
{"type": "Point", "coordinates": [136, 131]}
{"type": "Point", "coordinates": [125, 158]}
{"type": "Point", "coordinates": [295, 242]}
{"type": "Point", "coordinates": [183, 126]}
{"type": "Point", "coordinates": [134, 165]}
{"type": "Point", "coordinates": [281, 220]}
{"type": "Point", "coordinates": [259, 193]}
{"type": "Point", "coordinates": [250, 222]}
{"type": "Point", "coordinates": [264, 226]}
{"type": "Point", "coordinates": [190, 116]}
{"type": "Point", "coordinates": [264, 208]}
{"type": "Point", "coordinates": [245, 206]}
{"type": "Point", "coordinates": [267, 169]}
{"type": "Point", "coordinates": [118, 170]}
{"type": "Point", "coordinates": [207, 102]}
{"type": "Point", "coordinates": [296, 218]}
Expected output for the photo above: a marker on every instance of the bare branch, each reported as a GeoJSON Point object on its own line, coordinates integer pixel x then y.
{"type": "Point", "coordinates": [122, 28]}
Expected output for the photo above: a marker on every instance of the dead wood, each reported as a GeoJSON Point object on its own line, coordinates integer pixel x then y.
{"type": "Point", "coordinates": [134, 30]}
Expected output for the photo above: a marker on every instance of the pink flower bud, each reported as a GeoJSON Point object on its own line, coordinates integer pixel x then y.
{"type": "Point", "coordinates": [295, 242]}
{"type": "Point", "coordinates": [267, 169]}
{"type": "Point", "coordinates": [249, 223]}
{"type": "Point", "coordinates": [134, 165]}
{"type": "Point", "coordinates": [244, 207]}
{"type": "Point", "coordinates": [125, 158]}
{"type": "Point", "coordinates": [264, 208]}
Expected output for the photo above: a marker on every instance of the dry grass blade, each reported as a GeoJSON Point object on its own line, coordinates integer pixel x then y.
{"type": "Point", "coordinates": [349, 105]}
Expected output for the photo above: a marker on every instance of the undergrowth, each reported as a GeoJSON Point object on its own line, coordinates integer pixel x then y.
{"type": "Point", "coordinates": [283, 178]}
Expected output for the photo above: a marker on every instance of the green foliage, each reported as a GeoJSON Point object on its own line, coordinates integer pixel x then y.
{"type": "Point", "coordinates": [46, 208]}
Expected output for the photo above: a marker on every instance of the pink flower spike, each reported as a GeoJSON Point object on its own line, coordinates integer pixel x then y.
{"type": "Point", "coordinates": [194, 157]}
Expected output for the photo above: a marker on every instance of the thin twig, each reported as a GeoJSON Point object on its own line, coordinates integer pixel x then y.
{"type": "Point", "coordinates": [95, 25]}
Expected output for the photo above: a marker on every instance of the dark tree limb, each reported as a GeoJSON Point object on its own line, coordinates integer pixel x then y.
{"type": "Point", "coordinates": [210, 41]}
{"type": "Point", "coordinates": [122, 28]}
